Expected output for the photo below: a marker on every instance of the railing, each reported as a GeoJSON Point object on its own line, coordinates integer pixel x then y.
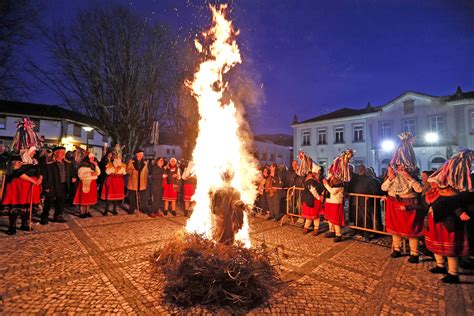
{"type": "Point", "coordinates": [362, 216]}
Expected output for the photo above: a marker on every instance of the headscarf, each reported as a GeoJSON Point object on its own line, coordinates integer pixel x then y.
{"type": "Point", "coordinates": [405, 155]}
{"type": "Point", "coordinates": [340, 166]}
{"type": "Point", "coordinates": [456, 172]}
{"type": "Point", "coordinates": [25, 136]}
{"type": "Point", "coordinates": [26, 158]}
{"type": "Point", "coordinates": [306, 164]}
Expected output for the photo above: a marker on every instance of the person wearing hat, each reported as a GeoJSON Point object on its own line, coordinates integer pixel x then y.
{"type": "Point", "coordinates": [448, 214]}
{"type": "Point", "coordinates": [137, 168]}
{"type": "Point", "coordinates": [403, 211]}
{"type": "Point", "coordinates": [22, 191]}
{"type": "Point", "coordinates": [312, 199]}
{"type": "Point", "coordinates": [86, 193]}
{"type": "Point", "coordinates": [172, 176]}
{"type": "Point", "coordinates": [57, 179]}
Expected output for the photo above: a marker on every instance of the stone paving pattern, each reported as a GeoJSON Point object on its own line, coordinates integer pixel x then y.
{"type": "Point", "coordinates": [102, 266]}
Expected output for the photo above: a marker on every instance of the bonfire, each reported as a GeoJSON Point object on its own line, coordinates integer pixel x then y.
{"type": "Point", "coordinates": [213, 263]}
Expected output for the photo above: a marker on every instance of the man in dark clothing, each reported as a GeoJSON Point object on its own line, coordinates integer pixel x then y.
{"type": "Point", "coordinates": [57, 177]}
{"type": "Point", "coordinates": [364, 184]}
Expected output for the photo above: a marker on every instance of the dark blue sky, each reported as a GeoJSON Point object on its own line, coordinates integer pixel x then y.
{"type": "Point", "coordinates": [311, 57]}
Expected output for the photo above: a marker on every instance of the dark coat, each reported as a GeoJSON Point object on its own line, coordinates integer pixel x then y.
{"type": "Point", "coordinates": [51, 180]}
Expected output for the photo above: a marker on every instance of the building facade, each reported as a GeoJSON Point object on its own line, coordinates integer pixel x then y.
{"type": "Point", "coordinates": [442, 125]}
{"type": "Point", "coordinates": [57, 126]}
{"type": "Point", "coordinates": [268, 152]}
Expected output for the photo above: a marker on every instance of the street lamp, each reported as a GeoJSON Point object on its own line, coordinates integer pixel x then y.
{"type": "Point", "coordinates": [388, 145]}
{"type": "Point", "coordinates": [431, 137]}
{"type": "Point", "coordinates": [87, 129]}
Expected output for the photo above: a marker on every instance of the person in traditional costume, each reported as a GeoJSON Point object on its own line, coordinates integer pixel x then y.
{"type": "Point", "coordinates": [104, 162]}
{"type": "Point", "coordinates": [137, 183]}
{"type": "Point", "coordinates": [157, 186]}
{"type": "Point", "coordinates": [447, 215]}
{"type": "Point", "coordinates": [333, 206]}
{"type": "Point", "coordinates": [312, 200]}
{"type": "Point", "coordinates": [403, 211]}
{"type": "Point", "coordinates": [86, 193]}
{"type": "Point", "coordinates": [23, 184]}
{"type": "Point", "coordinates": [189, 186]}
{"type": "Point", "coordinates": [172, 176]}
{"type": "Point", "coordinates": [113, 187]}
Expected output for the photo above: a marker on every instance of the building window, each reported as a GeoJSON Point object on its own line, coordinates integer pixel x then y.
{"type": "Point", "coordinates": [437, 124]}
{"type": "Point", "coordinates": [272, 157]}
{"type": "Point", "coordinates": [90, 135]}
{"type": "Point", "coordinates": [358, 133]}
{"type": "Point", "coordinates": [409, 125]}
{"type": "Point", "coordinates": [173, 152]}
{"type": "Point", "coordinates": [168, 151]}
{"type": "Point", "coordinates": [3, 122]}
{"type": "Point", "coordinates": [306, 137]}
{"type": "Point", "coordinates": [472, 121]}
{"type": "Point", "coordinates": [409, 106]}
{"type": "Point", "coordinates": [386, 129]}
{"type": "Point", "coordinates": [77, 130]}
{"type": "Point", "coordinates": [105, 138]}
{"type": "Point", "coordinates": [339, 135]}
{"type": "Point", "coordinates": [322, 137]}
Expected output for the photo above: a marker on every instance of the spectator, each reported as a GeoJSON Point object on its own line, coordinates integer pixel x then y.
{"type": "Point", "coordinates": [157, 184]}
{"type": "Point", "coordinates": [113, 186]}
{"type": "Point", "coordinates": [137, 183]}
{"type": "Point", "coordinates": [273, 186]}
{"type": "Point", "coordinates": [173, 177]}
{"type": "Point", "coordinates": [86, 193]}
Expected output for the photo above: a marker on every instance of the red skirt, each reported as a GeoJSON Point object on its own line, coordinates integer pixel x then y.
{"type": "Point", "coordinates": [311, 212]}
{"type": "Point", "coordinates": [334, 213]}
{"type": "Point", "coordinates": [20, 193]}
{"type": "Point", "coordinates": [89, 198]}
{"type": "Point", "coordinates": [170, 194]}
{"type": "Point", "coordinates": [442, 242]}
{"type": "Point", "coordinates": [113, 189]}
{"type": "Point", "coordinates": [189, 190]}
{"type": "Point", "coordinates": [402, 221]}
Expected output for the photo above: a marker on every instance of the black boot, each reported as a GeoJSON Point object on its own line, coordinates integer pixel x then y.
{"type": "Point", "coordinates": [114, 211]}
{"type": "Point", "coordinates": [11, 230]}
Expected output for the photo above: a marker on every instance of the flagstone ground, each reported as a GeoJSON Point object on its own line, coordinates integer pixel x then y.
{"type": "Point", "coordinates": [102, 265]}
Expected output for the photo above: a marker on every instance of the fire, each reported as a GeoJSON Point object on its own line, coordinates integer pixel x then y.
{"type": "Point", "coordinates": [219, 147]}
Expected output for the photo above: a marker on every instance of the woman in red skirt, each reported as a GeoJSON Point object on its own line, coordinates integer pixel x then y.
{"type": "Point", "coordinates": [22, 192]}
{"type": "Point", "coordinates": [403, 212]}
{"type": "Point", "coordinates": [189, 187]}
{"type": "Point", "coordinates": [171, 188]}
{"type": "Point", "coordinates": [312, 198]}
{"type": "Point", "coordinates": [113, 187]}
{"type": "Point", "coordinates": [446, 234]}
{"type": "Point", "coordinates": [86, 193]}
{"type": "Point", "coordinates": [333, 207]}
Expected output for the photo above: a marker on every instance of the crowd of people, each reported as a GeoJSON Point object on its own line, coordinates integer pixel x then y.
{"type": "Point", "coordinates": [436, 208]}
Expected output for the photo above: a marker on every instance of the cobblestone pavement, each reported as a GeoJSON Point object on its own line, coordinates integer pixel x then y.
{"type": "Point", "coordinates": [102, 265]}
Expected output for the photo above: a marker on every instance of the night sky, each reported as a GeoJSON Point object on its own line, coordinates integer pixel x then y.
{"type": "Point", "coordinates": [312, 57]}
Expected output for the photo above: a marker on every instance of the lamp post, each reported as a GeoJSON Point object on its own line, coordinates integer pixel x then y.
{"type": "Point", "coordinates": [87, 129]}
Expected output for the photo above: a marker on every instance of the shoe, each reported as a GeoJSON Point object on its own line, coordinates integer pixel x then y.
{"type": "Point", "coordinates": [438, 270]}
{"type": "Point", "coordinates": [396, 254]}
{"type": "Point", "coordinates": [11, 231]}
{"type": "Point", "coordinates": [115, 212]}
{"type": "Point", "coordinates": [270, 218]}
{"type": "Point", "coordinates": [83, 215]}
{"type": "Point", "coordinates": [414, 259]}
{"type": "Point", "coordinates": [330, 235]}
{"type": "Point", "coordinates": [338, 239]}
{"type": "Point", "coordinates": [450, 278]}
{"type": "Point", "coordinates": [88, 215]}
{"type": "Point", "coordinates": [173, 213]}
{"type": "Point", "coordinates": [165, 213]}
{"type": "Point", "coordinates": [25, 228]}
{"type": "Point", "coordinates": [105, 213]}
{"type": "Point", "coordinates": [305, 231]}
{"type": "Point", "coordinates": [44, 221]}
{"type": "Point", "coordinates": [59, 219]}
{"type": "Point", "coordinates": [131, 212]}
{"type": "Point", "coordinates": [315, 232]}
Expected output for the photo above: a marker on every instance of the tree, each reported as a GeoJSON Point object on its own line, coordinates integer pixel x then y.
{"type": "Point", "coordinates": [118, 68]}
{"type": "Point", "coordinates": [17, 21]}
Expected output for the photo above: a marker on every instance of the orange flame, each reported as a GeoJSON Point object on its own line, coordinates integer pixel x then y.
{"type": "Point", "coordinates": [219, 147]}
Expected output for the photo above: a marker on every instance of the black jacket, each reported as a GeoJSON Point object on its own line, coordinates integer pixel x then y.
{"type": "Point", "coordinates": [51, 179]}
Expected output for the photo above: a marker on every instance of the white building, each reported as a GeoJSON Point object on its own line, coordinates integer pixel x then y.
{"type": "Point", "coordinates": [442, 126]}
{"type": "Point", "coordinates": [267, 152]}
{"type": "Point", "coordinates": [166, 145]}
{"type": "Point", "coordinates": [58, 126]}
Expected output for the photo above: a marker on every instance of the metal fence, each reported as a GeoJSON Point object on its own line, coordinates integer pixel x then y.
{"type": "Point", "coordinates": [364, 212]}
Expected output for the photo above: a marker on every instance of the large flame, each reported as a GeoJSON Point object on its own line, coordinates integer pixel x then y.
{"type": "Point", "coordinates": [219, 147]}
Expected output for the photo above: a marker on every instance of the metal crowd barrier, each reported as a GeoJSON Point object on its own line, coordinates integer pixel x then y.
{"type": "Point", "coordinates": [293, 210]}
